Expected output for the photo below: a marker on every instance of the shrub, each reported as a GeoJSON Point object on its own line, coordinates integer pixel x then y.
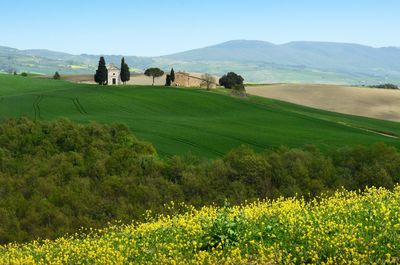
{"type": "Point", "coordinates": [232, 80]}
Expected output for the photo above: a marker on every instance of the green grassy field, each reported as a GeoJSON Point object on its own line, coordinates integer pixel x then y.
{"type": "Point", "coordinates": [178, 120]}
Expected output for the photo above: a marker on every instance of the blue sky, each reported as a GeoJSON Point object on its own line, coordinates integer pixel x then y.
{"type": "Point", "coordinates": [158, 27]}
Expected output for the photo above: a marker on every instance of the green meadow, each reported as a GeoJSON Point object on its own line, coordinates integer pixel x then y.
{"type": "Point", "coordinates": [182, 120]}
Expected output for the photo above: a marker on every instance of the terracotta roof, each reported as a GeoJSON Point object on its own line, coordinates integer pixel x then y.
{"type": "Point", "coordinates": [182, 73]}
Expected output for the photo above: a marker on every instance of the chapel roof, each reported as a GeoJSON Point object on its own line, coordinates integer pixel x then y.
{"type": "Point", "coordinates": [112, 67]}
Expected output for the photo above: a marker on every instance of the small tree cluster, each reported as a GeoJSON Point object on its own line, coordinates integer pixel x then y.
{"type": "Point", "coordinates": [101, 76]}
{"type": "Point", "coordinates": [125, 72]}
{"type": "Point", "coordinates": [385, 86]}
{"type": "Point", "coordinates": [232, 80]}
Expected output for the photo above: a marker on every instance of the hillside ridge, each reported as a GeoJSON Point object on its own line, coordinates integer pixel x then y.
{"type": "Point", "coordinates": [257, 61]}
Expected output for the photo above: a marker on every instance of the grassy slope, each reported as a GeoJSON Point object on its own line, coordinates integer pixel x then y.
{"type": "Point", "coordinates": [179, 120]}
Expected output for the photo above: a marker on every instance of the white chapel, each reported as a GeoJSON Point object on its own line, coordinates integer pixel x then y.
{"type": "Point", "coordinates": [114, 75]}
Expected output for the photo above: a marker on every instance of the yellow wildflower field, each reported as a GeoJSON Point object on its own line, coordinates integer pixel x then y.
{"type": "Point", "coordinates": [343, 228]}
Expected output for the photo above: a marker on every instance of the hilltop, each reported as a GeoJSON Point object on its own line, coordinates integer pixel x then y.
{"type": "Point", "coordinates": [179, 120]}
{"type": "Point", "coordinates": [257, 61]}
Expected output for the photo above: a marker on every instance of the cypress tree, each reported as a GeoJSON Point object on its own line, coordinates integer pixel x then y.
{"type": "Point", "coordinates": [101, 75]}
{"type": "Point", "coordinates": [172, 75]}
{"type": "Point", "coordinates": [56, 76]}
{"type": "Point", "coordinates": [125, 72]}
{"type": "Point", "coordinates": [168, 80]}
{"type": "Point", "coordinates": [128, 72]}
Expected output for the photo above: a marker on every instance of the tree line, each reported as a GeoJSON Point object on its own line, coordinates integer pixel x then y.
{"type": "Point", "coordinates": [385, 86]}
{"type": "Point", "coordinates": [230, 80]}
{"type": "Point", "coordinates": [59, 176]}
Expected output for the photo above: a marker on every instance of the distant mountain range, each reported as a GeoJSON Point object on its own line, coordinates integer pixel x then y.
{"type": "Point", "coordinates": [257, 61]}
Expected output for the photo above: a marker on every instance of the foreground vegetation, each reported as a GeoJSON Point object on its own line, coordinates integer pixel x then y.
{"type": "Point", "coordinates": [179, 120]}
{"type": "Point", "coordinates": [56, 177]}
{"type": "Point", "coordinates": [345, 228]}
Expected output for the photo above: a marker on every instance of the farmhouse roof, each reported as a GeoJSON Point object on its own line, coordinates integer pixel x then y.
{"type": "Point", "coordinates": [182, 73]}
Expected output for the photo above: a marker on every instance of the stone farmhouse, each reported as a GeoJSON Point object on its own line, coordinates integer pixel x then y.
{"type": "Point", "coordinates": [114, 75]}
{"type": "Point", "coordinates": [187, 80]}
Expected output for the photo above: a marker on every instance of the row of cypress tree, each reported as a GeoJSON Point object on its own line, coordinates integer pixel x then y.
{"type": "Point", "coordinates": [101, 76]}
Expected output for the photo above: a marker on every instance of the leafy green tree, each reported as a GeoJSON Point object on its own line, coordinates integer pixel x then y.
{"type": "Point", "coordinates": [24, 74]}
{"type": "Point", "coordinates": [232, 80]}
{"type": "Point", "coordinates": [172, 75]}
{"type": "Point", "coordinates": [357, 167]}
{"type": "Point", "coordinates": [154, 72]}
{"type": "Point", "coordinates": [125, 72]}
{"type": "Point", "coordinates": [56, 76]}
{"type": "Point", "coordinates": [101, 76]}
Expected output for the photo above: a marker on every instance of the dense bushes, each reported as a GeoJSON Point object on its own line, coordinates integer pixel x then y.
{"type": "Point", "coordinates": [232, 80]}
{"type": "Point", "coordinates": [57, 177]}
{"type": "Point", "coordinates": [385, 86]}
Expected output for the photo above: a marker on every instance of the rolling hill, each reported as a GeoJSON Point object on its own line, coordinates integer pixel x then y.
{"type": "Point", "coordinates": [361, 101]}
{"type": "Point", "coordinates": [47, 62]}
{"type": "Point", "coordinates": [315, 62]}
{"type": "Point", "coordinates": [257, 61]}
{"type": "Point", "coordinates": [320, 55]}
{"type": "Point", "coordinates": [179, 120]}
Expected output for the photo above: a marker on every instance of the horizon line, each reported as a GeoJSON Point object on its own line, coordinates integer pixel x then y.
{"type": "Point", "coordinates": [203, 47]}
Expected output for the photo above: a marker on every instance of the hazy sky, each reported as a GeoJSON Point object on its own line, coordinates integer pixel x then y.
{"type": "Point", "coordinates": [159, 27]}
